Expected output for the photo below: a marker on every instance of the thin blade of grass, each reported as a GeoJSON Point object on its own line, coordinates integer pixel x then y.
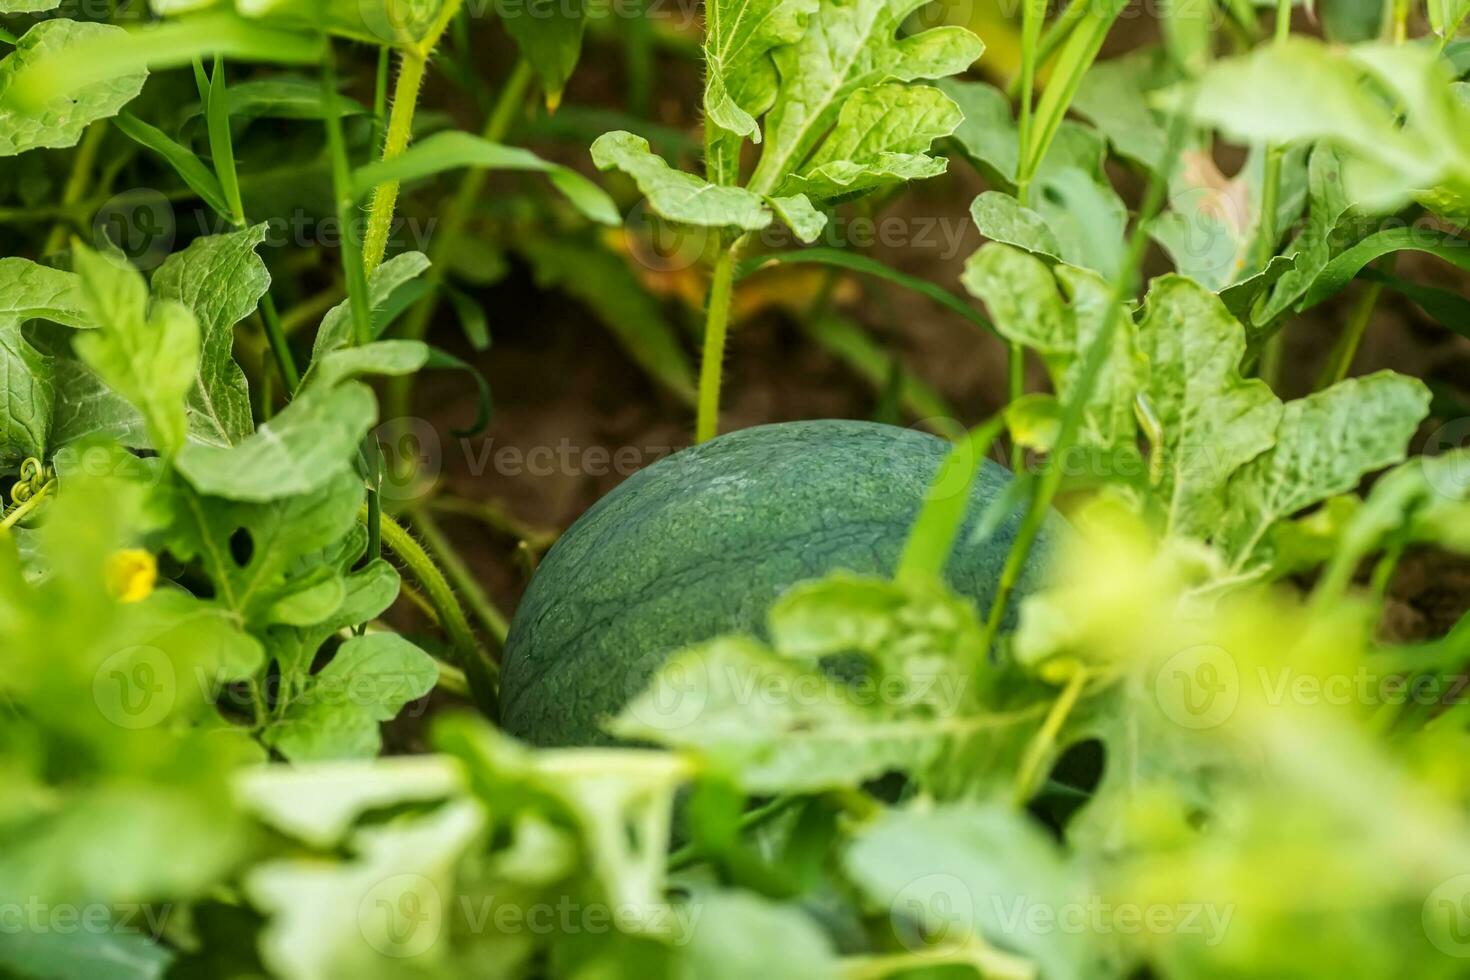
{"type": "Point", "coordinates": [195, 173]}
{"type": "Point", "coordinates": [933, 535]}
{"type": "Point", "coordinates": [221, 143]}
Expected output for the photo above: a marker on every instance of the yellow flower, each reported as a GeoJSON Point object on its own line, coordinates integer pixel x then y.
{"type": "Point", "coordinates": [131, 574]}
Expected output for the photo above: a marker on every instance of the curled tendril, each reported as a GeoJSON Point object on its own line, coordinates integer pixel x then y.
{"type": "Point", "coordinates": [33, 476]}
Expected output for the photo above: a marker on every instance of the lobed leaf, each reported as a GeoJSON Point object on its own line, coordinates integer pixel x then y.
{"type": "Point", "coordinates": [740, 81]}
{"type": "Point", "coordinates": [222, 279]}
{"type": "Point", "coordinates": [676, 195]}
{"type": "Point", "coordinates": [771, 725]}
{"type": "Point", "coordinates": [280, 538]}
{"type": "Point", "coordinates": [335, 331]}
{"type": "Point", "coordinates": [27, 399]}
{"type": "Point", "coordinates": [1325, 444]}
{"type": "Point", "coordinates": [337, 713]}
{"type": "Point", "coordinates": [58, 120]}
{"type": "Point", "coordinates": [148, 353]}
{"type": "Point", "coordinates": [326, 916]}
{"type": "Point", "coordinates": [1304, 90]}
{"type": "Point", "coordinates": [28, 392]}
{"type": "Point", "coordinates": [880, 139]}
{"type": "Point", "coordinates": [1212, 420]}
{"type": "Point", "coordinates": [309, 445]}
{"type": "Point", "coordinates": [962, 877]}
{"type": "Point", "coordinates": [846, 48]}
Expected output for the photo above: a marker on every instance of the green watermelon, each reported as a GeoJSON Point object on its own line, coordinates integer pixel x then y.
{"type": "Point", "coordinates": [701, 543]}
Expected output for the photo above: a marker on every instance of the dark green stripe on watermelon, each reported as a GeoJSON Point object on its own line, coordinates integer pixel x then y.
{"type": "Point", "coordinates": [701, 543]}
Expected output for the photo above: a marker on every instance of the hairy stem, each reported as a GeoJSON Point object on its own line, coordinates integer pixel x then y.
{"type": "Point", "coordinates": [412, 65]}
{"type": "Point", "coordinates": [716, 328]}
{"type": "Point", "coordinates": [478, 667]}
{"type": "Point", "coordinates": [492, 619]}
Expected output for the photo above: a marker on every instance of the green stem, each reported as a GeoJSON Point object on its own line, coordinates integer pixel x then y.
{"type": "Point", "coordinates": [987, 961]}
{"type": "Point", "coordinates": [380, 95]}
{"type": "Point", "coordinates": [414, 62]}
{"type": "Point", "coordinates": [1383, 571]}
{"type": "Point", "coordinates": [78, 182]}
{"type": "Point", "coordinates": [460, 576]}
{"type": "Point", "coordinates": [1033, 12]}
{"type": "Point", "coordinates": [275, 333]}
{"type": "Point", "coordinates": [214, 93]}
{"type": "Point", "coordinates": [1400, 21]}
{"type": "Point", "coordinates": [1030, 773]}
{"type": "Point", "coordinates": [716, 328]}
{"type": "Point", "coordinates": [411, 67]}
{"type": "Point", "coordinates": [27, 505]}
{"type": "Point", "coordinates": [508, 105]}
{"type": "Point", "coordinates": [1273, 352]}
{"type": "Point", "coordinates": [374, 453]}
{"type": "Point", "coordinates": [638, 59]}
{"type": "Point", "coordinates": [1015, 353]}
{"type": "Point", "coordinates": [1015, 390]}
{"type": "Point", "coordinates": [1282, 27]}
{"type": "Point", "coordinates": [1270, 198]}
{"type": "Point", "coordinates": [478, 667]}
{"type": "Point", "coordinates": [1340, 361]}
{"type": "Point", "coordinates": [1056, 34]}
{"type": "Point", "coordinates": [1271, 180]}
